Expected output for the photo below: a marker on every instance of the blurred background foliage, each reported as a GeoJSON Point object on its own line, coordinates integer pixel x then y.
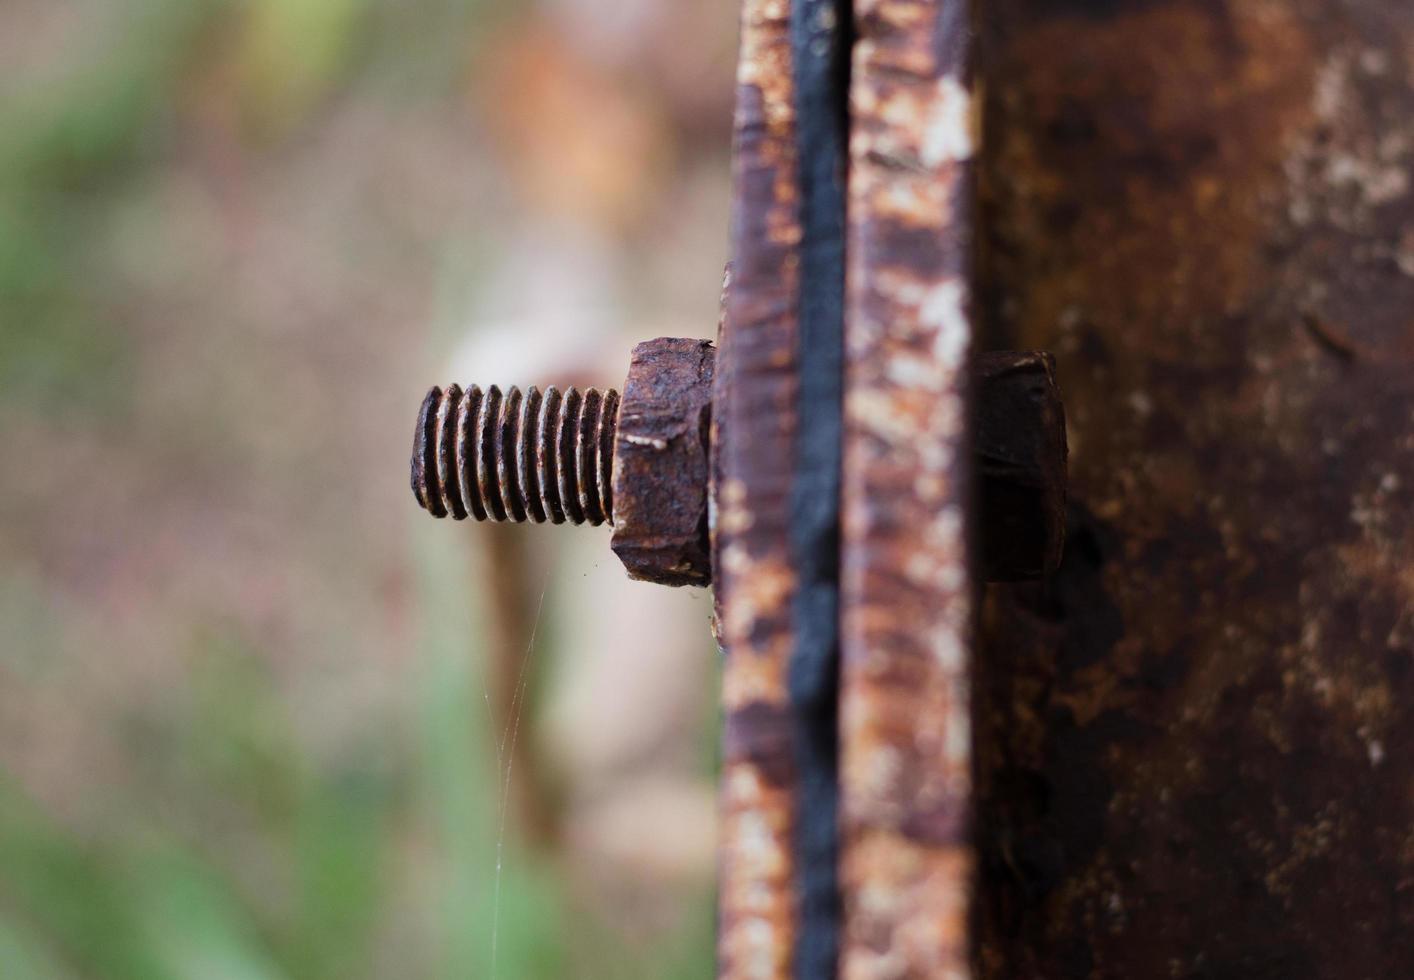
{"type": "Point", "coordinates": [254, 711]}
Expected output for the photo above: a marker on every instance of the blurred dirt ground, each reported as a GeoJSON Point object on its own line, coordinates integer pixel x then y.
{"type": "Point", "coordinates": [251, 699]}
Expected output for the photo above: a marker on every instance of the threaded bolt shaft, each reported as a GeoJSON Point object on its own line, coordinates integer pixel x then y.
{"type": "Point", "coordinates": [516, 457]}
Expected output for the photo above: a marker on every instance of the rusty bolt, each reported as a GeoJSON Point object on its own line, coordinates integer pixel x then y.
{"type": "Point", "coordinates": [516, 457]}
{"type": "Point", "coordinates": [661, 463]}
{"type": "Point", "coordinates": [641, 462]}
{"type": "Point", "coordinates": [583, 458]}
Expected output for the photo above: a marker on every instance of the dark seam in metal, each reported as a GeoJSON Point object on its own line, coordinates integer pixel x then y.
{"type": "Point", "coordinates": [820, 55]}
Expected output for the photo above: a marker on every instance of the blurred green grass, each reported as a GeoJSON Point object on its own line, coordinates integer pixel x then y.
{"type": "Point", "coordinates": [242, 852]}
{"type": "Point", "coordinates": [173, 888]}
{"type": "Point", "coordinates": [73, 148]}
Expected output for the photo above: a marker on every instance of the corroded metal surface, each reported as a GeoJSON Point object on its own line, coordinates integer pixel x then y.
{"type": "Point", "coordinates": [754, 410]}
{"type": "Point", "coordinates": [907, 583]}
{"type": "Point", "coordinates": [1019, 450]}
{"type": "Point", "coordinates": [515, 457]}
{"type": "Point", "coordinates": [660, 463]}
{"type": "Point", "coordinates": [1192, 742]}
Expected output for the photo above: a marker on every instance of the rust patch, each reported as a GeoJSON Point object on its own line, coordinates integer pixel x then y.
{"type": "Point", "coordinates": [1189, 743]}
{"type": "Point", "coordinates": [754, 413]}
{"type": "Point", "coordinates": [905, 776]}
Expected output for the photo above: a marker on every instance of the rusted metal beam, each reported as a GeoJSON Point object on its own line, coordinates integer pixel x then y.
{"type": "Point", "coordinates": [754, 421]}
{"type": "Point", "coordinates": [1191, 743]}
{"type": "Point", "coordinates": [906, 783]}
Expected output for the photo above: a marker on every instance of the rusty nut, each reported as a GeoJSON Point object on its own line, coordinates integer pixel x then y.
{"type": "Point", "coordinates": [660, 471]}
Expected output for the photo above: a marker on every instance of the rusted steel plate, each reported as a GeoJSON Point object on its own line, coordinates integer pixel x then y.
{"type": "Point", "coordinates": [754, 411]}
{"type": "Point", "coordinates": [1192, 744]}
{"type": "Point", "coordinates": [906, 586]}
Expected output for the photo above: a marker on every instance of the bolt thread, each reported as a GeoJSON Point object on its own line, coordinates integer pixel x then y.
{"type": "Point", "coordinates": [516, 457]}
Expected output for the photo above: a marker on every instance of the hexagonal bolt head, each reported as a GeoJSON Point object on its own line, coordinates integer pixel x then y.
{"type": "Point", "coordinates": [660, 468]}
{"type": "Point", "coordinates": [1019, 451]}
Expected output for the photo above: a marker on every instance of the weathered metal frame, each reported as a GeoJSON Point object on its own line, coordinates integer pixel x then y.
{"type": "Point", "coordinates": [1186, 741]}
{"type": "Point", "coordinates": [907, 580]}
{"type": "Point", "coordinates": [755, 582]}
{"type": "Point", "coordinates": [905, 684]}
